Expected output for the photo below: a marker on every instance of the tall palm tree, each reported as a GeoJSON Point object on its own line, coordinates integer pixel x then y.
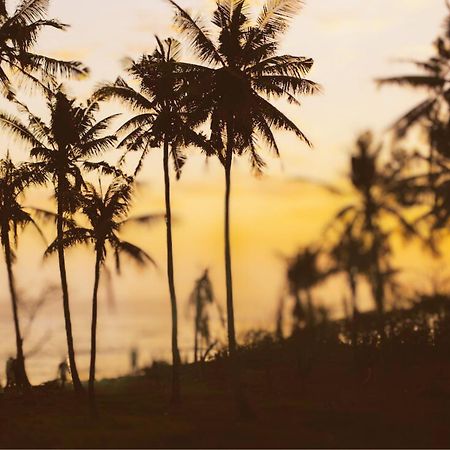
{"type": "Point", "coordinates": [19, 32]}
{"type": "Point", "coordinates": [376, 189]}
{"type": "Point", "coordinates": [106, 214]}
{"type": "Point", "coordinates": [241, 72]}
{"type": "Point", "coordinates": [60, 147]}
{"type": "Point", "coordinates": [14, 181]}
{"type": "Point", "coordinates": [161, 122]}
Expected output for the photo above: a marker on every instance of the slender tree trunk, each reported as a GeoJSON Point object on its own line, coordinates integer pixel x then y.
{"type": "Point", "coordinates": [22, 378]}
{"type": "Point", "coordinates": [376, 275]}
{"type": "Point", "coordinates": [378, 292]}
{"type": "Point", "coordinates": [311, 314]}
{"type": "Point", "coordinates": [228, 267]}
{"type": "Point", "coordinates": [196, 336]}
{"type": "Point", "coordinates": [176, 396]}
{"type": "Point", "coordinates": [65, 291]}
{"type": "Point", "coordinates": [91, 389]}
{"type": "Point", "coordinates": [241, 401]}
{"type": "Point", "coordinates": [354, 318]}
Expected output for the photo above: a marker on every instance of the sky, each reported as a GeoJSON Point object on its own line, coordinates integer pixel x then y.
{"type": "Point", "coordinates": [352, 43]}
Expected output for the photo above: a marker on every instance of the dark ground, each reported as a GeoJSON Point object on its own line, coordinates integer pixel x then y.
{"type": "Point", "coordinates": [405, 403]}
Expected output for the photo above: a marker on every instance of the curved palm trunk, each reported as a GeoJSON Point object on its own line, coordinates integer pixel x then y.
{"type": "Point", "coordinates": [65, 291]}
{"type": "Point", "coordinates": [91, 389]}
{"type": "Point", "coordinates": [22, 378]}
{"type": "Point", "coordinates": [176, 398]}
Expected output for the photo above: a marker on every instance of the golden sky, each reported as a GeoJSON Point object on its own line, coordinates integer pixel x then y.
{"type": "Point", "coordinates": [352, 42]}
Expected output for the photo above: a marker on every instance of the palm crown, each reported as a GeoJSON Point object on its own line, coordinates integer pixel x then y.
{"type": "Point", "coordinates": [70, 138]}
{"type": "Point", "coordinates": [106, 214]}
{"type": "Point", "coordinates": [14, 180]}
{"type": "Point", "coordinates": [161, 101]}
{"type": "Point", "coordinates": [242, 72]}
{"type": "Point", "coordinates": [18, 34]}
{"type": "Point", "coordinates": [433, 113]}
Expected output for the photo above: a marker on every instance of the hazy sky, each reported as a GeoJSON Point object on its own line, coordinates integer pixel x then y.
{"type": "Point", "coordinates": [352, 43]}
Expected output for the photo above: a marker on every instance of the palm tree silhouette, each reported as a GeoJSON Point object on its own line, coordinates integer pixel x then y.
{"type": "Point", "coordinates": [432, 116]}
{"type": "Point", "coordinates": [19, 32]}
{"type": "Point", "coordinates": [366, 239]}
{"type": "Point", "coordinates": [303, 275]}
{"type": "Point", "coordinates": [161, 122]}
{"type": "Point", "coordinates": [241, 71]}
{"type": "Point", "coordinates": [432, 113]}
{"type": "Point", "coordinates": [14, 181]}
{"type": "Point", "coordinates": [60, 147]}
{"type": "Point", "coordinates": [107, 214]}
{"type": "Point", "coordinates": [349, 256]}
{"type": "Point", "coordinates": [202, 296]}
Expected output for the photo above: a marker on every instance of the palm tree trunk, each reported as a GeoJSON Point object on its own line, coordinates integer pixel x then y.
{"type": "Point", "coordinates": [91, 389]}
{"type": "Point", "coordinates": [228, 267]}
{"type": "Point", "coordinates": [240, 398]}
{"type": "Point", "coordinates": [376, 276]}
{"type": "Point", "coordinates": [176, 398]}
{"type": "Point", "coordinates": [378, 292]}
{"type": "Point", "coordinates": [65, 291]}
{"type": "Point", "coordinates": [311, 314]}
{"type": "Point", "coordinates": [22, 378]}
{"type": "Point", "coordinates": [354, 318]}
{"type": "Point", "coordinates": [196, 338]}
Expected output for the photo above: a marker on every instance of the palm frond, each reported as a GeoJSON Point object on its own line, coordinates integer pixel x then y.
{"type": "Point", "coordinates": [17, 128]}
{"type": "Point", "coordinates": [197, 35]}
{"type": "Point", "coordinates": [276, 16]}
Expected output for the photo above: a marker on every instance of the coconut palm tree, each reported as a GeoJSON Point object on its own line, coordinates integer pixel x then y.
{"type": "Point", "coordinates": [303, 275]}
{"type": "Point", "coordinates": [432, 116]}
{"type": "Point", "coordinates": [14, 181]}
{"type": "Point", "coordinates": [106, 214]}
{"type": "Point", "coordinates": [366, 239]}
{"type": "Point", "coordinates": [60, 146]}
{"type": "Point", "coordinates": [202, 296]}
{"type": "Point", "coordinates": [161, 122]}
{"type": "Point", "coordinates": [433, 78]}
{"type": "Point", "coordinates": [240, 73]}
{"type": "Point", "coordinates": [19, 32]}
{"type": "Point", "coordinates": [350, 257]}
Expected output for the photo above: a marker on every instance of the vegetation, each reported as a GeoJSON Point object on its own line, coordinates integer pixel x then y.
{"type": "Point", "coordinates": [106, 214]}
{"type": "Point", "coordinates": [14, 181]}
{"type": "Point", "coordinates": [225, 105]}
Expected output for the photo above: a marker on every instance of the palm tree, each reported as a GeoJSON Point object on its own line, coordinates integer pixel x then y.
{"type": "Point", "coordinates": [107, 214]}
{"type": "Point", "coordinates": [19, 32]}
{"type": "Point", "coordinates": [161, 122]}
{"type": "Point", "coordinates": [202, 296]}
{"type": "Point", "coordinates": [433, 112]}
{"type": "Point", "coordinates": [240, 74]}
{"type": "Point", "coordinates": [432, 116]}
{"type": "Point", "coordinates": [14, 181]}
{"type": "Point", "coordinates": [303, 275]}
{"type": "Point", "coordinates": [349, 256]}
{"type": "Point", "coordinates": [366, 239]}
{"type": "Point", "coordinates": [60, 146]}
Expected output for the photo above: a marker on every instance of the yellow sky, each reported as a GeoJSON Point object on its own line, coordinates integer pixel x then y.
{"type": "Point", "coordinates": [352, 42]}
